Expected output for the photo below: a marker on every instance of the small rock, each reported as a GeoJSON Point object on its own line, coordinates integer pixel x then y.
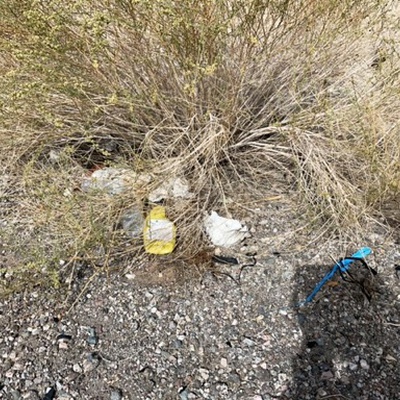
{"type": "Point", "coordinates": [224, 362]}
{"type": "Point", "coordinates": [205, 374]}
{"type": "Point", "coordinates": [184, 394]}
{"type": "Point", "coordinates": [9, 374]}
{"type": "Point", "coordinates": [248, 342]}
{"type": "Point", "coordinates": [264, 366]}
{"type": "Point", "coordinates": [77, 368]}
{"type": "Point", "coordinates": [16, 395]}
{"type": "Point", "coordinates": [353, 366]}
{"type": "Point", "coordinates": [390, 358]}
{"type": "Point", "coordinates": [64, 396]}
{"type": "Point", "coordinates": [327, 375]}
{"type": "Point", "coordinates": [91, 362]}
{"type": "Point", "coordinates": [364, 364]}
{"type": "Point", "coordinates": [62, 345]}
{"type": "Point", "coordinates": [116, 394]}
{"type": "Point", "coordinates": [177, 343]}
{"type": "Point", "coordinates": [282, 377]}
{"type": "Point", "coordinates": [63, 340]}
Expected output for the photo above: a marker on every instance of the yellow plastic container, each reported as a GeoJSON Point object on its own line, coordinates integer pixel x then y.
{"type": "Point", "coordinates": [159, 233]}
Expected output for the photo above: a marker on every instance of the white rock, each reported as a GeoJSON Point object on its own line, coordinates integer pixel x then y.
{"type": "Point", "coordinates": [224, 232]}
{"type": "Point", "coordinates": [63, 345]}
{"type": "Point", "coordinates": [77, 368]}
{"type": "Point", "coordinates": [282, 377]}
{"type": "Point", "coordinates": [364, 364]}
{"type": "Point", "coordinates": [205, 374]}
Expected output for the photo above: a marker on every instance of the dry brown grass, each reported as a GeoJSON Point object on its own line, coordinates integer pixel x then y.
{"type": "Point", "coordinates": [219, 92]}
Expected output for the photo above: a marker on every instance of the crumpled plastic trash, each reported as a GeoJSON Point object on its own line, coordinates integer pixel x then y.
{"type": "Point", "coordinates": [132, 222]}
{"type": "Point", "coordinates": [159, 233]}
{"type": "Point", "coordinates": [114, 180]}
{"type": "Point", "coordinates": [110, 180]}
{"type": "Point", "coordinates": [224, 232]}
{"type": "Point", "coordinates": [172, 188]}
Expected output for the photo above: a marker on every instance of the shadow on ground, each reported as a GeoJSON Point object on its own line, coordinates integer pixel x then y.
{"type": "Point", "coordinates": [351, 346]}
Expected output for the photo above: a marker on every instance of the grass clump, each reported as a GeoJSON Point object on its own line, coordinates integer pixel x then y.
{"type": "Point", "coordinates": [219, 92]}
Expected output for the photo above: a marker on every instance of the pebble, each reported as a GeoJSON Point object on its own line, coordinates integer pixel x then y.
{"type": "Point", "coordinates": [224, 362]}
{"type": "Point", "coordinates": [248, 342]}
{"type": "Point", "coordinates": [62, 345]}
{"type": "Point", "coordinates": [353, 366]}
{"type": "Point", "coordinates": [116, 394]}
{"type": "Point", "coordinates": [91, 362]}
{"type": "Point", "coordinates": [184, 394]}
{"type": "Point", "coordinates": [177, 343]}
{"type": "Point", "coordinates": [205, 374]}
{"type": "Point", "coordinates": [15, 395]}
{"type": "Point", "coordinates": [282, 377]}
{"type": "Point", "coordinates": [77, 368]}
{"type": "Point", "coordinates": [327, 375]}
{"type": "Point", "coordinates": [64, 396]}
{"type": "Point", "coordinates": [364, 364]}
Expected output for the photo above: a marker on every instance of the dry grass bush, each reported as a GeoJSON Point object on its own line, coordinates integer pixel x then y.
{"type": "Point", "coordinates": [221, 92]}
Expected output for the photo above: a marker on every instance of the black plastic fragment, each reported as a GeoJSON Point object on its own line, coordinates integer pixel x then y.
{"type": "Point", "coordinates": [225, 260]}
{"type": "Point", "coordinates": [92, 339]}
{"type": "Point", "coordinates": [50, 394]}
{"type": "Point", "coordinates": [63, 336]}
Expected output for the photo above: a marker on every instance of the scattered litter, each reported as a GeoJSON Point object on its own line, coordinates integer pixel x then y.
{"type": "Point", "coordinates": [50, 394]}
{"type": "Point", "coordinates": [92, 339]}
{"type": "Point", "coordinates": [159, 233]}
{"type": "Point", "coordinates": [132, 223]}
{"type": "Point", "coordinates": [224, 232]}
{"type": "Point", "coordinates": [64, 336]}
{"type": "Point", "coordinates": [225, 260]}
{"type": "Point", "coordinates": [159, 193]}
{"type": "Point", "coordinates": [343, 268]}
{"type": "Point", "coordinates": [173, 188]}
{"type": "Point", "coordinates": [114, 180]}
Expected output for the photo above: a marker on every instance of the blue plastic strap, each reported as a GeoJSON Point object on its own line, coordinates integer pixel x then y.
{"type": "Point", "coordinates": [343, 265]}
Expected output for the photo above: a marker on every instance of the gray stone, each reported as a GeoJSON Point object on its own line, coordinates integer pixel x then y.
{"type": "Point", "coordinates": [116, 394]}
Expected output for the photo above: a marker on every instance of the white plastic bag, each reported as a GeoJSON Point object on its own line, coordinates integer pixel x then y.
{"type": "Point", "coordinates": [224, 232]}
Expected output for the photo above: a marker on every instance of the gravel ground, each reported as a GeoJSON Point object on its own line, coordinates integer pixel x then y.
{"type": "Point", "coordinates": [224, 335]}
